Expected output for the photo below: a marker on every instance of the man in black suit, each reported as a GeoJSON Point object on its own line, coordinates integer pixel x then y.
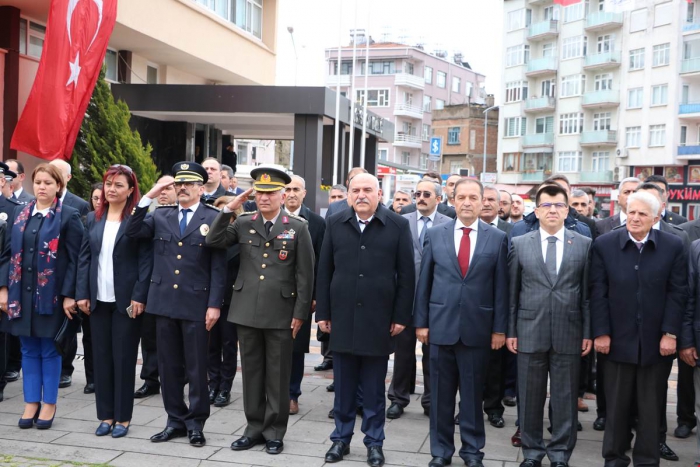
{"type": "Point", "coordinates": [627, 187]}
{"type": "Point", "coordinates": [639, 289]}
{"type": "Point", "coordinates": [341, 204]}
{"type": "Point", "coordinates": [667, 216]}
{"type": "Point", "coordinates": [19, 194]}
{"type": "Point", "coordinates": [212, 189]}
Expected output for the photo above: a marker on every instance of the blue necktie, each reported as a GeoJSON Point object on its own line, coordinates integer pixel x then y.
{"type": "Point", "coordinates": [183, 221]}
{"type": "Point", "coordinates": [421, 237]}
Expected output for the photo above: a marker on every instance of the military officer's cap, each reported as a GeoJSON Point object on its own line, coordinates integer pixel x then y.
{"type": "Point", "coordinates": [190, 172]}
{"type": "Point", "coordinates": [269, 179]}
{"type": "Point", "coordinates": [6, 172]}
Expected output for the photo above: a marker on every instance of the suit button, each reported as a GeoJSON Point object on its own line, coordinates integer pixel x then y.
{"type": "Point", "coordinates": [179, 243]}
{"type": "Point", "coordinates": [267, 244]}
{"type": "Point", "coordinates": [362, 275]}
{"type": "Point", "coordinates": [175, 286]}
{"type": "Point", "coordinates": [179, 256]}
{"type": "Point", "coordinates": [177, 272]}
{"type": "Point", "coordinates": [34, 231]}
{"type": "Point", "coordinates": [250, 241]}
{"type": "Point", "coordinates": [262, 278]}
{"type": "Point", "coordinates": [359, 304]}
{"type": "Point", "coordinates": [362, 247]}
{"type": "Point", "coordinates": [265, 255]}
{"type": "Point", "coordinates": [284, 243]}
{"type": "Point", "coordinates": [264, 266]}
{"type": "Point", "coordinates": [31, 250]}
{"type": "Point", "coordinates": [29, 289]}
{"type": "Point", "coordinates": [29, 269]}
{"type": "Point", "coordinates": [636, 268]}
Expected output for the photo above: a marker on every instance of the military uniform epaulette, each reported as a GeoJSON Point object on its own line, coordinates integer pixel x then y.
{"type": "Point", "coordinates": [13, 201]}
{"type": "Point", "coordinates": [166, 206]}
{"type": "Point", "coordinates": [212, 207]}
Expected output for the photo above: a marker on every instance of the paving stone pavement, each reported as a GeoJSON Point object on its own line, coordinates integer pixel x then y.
{"type": "Point", "coordinates": [71, 441]}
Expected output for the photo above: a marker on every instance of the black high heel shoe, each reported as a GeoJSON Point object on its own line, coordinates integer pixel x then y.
{"type": "Point", "coordinates": [45, 424]}
{"type": "Point", "coordinates": [25, 423]}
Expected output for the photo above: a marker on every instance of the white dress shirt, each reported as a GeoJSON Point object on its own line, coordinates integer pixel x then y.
{"type": "Point", "coordinates": [623, 218]}
{"type": "Point", "coordinates": [644, 240]}
{"type": "Point", "coordinates": [421, 221]}
{"type": "Point", "coordinates": [43, 212]}
{"type": "Point", "coordinates": [19, 192]}
{"type": "Point", "coordinates": [362, 223]}
{"type": "Point", "coordinates": [472, 236]}
{"type": "Point", "coordinates": [105, 263]}
{"type": "Point", "coordinates": [559, 245]}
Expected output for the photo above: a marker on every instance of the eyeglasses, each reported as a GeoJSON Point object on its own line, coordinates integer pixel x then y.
{"type": "Point", "coordinates": [556, 205]}
{"type": "Point", "coordinates": [422, 194]}
{"type": "Point", "coordinates": [95, 198]}
{"type": "Point", "coordinates": [123, 167]}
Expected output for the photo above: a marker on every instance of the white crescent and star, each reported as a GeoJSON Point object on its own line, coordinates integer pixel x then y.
{"type": "Point", "coordinates": [75, 65]}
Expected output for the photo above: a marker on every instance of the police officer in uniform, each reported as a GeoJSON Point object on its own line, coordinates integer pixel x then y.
{"type": "Point", "coordinates": [186, 293]}
{"type": "Point", "coordinates": [271, 299]}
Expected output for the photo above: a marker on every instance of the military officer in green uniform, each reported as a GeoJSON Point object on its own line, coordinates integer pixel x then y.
{"type": "Point", "coordinates": [271, 299]}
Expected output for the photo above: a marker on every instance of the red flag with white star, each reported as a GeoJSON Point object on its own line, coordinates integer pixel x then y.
{"type": "Point", "coordinates": [75, 44]}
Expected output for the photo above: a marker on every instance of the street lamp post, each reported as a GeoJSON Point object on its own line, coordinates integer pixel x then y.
{"type": "Point", "coordinates": [486, 137]}
{"type": "Point", "coordinates": [290, 29]}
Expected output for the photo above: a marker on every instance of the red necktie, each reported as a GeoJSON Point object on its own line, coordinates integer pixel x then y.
{"type": "Point", "coordinates": [464, 248]}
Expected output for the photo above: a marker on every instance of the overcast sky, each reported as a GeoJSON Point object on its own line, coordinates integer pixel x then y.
{"type": "Point", "coordinates": [473, 27]}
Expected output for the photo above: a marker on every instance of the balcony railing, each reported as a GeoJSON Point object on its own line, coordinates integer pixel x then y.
{"type": "Point", "coordinates": [603, 20]}
{"type": "Point", "coordinates": [601, 98]}
{"type": "Point", "coordinates": [408, 110]}
{"type": "Point", "coordinates": [533, 176]}
{"type": "Point", "coordinates": [690, 108]}
{"type": "Point", "coordinates": [538, 139]}
{"type": "Point", "coordinates": [539, 103]}
{"type": "Point", "coordinates": [409, 140]}
{"type": "Point", "coordinates": [542, 66]}
{"type": "Point", "coordinates": [405, 79]}
{"type": "Point", "coordinates": [599, 137]}
{"type": "Point", "coordinates": [691, 27]}
{"type": "Point", "coordinates": [332, 80]}
{"type": "Point", "coordinates": [543, 29]}
{"type": "Point", "coordinates": [604, 176]}
{"type": "Point", "coordinates": [689, 150]}
{"type": "Point", "coordinates": [690, 65]}
{"type": "Point", "coordinates": [603, 60]}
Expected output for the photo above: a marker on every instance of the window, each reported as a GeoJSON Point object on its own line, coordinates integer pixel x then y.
{"type": "Point", "coordinates": [516, 91]}
{"type": "Point", "coordinates": [638, 20]}
{"type": "Point", "coordinates": [382, 67]}
{"type": "Point", "coordinates": [428, 75]}
{"type": "Point", "coordinates": [408, 68]}
{"type": "Point", "coordinates": [636, 59]}
{"type": "Point", "coordinates": [406, 158]}
{"type": "Point", "coordinates": [570, 161]}
{"type": "Point", "coordinates": [518, 19]}
{"type": "Point", "coordinates": [427, 101]}
{"type": "Point", "coordinates": [453, 135]}
{"type": "Point", "coordinates": [455, 167]}
{"type": "Point", "coordinates": [570, 124]}
{"type": "Point", "coordinates": [657, 135]}
{"type": "Point", "coordinates": [690, 15]}
{"type": "Point", "coordinates": [510, 162]}
{"type": "Point", "coordinates": [515, 126]}
{"type": "Point", "coordinates": [633, 137]}
{"type": "Point", "coordinates": [423, 161]}
{"type": "Point", "coordinates": [426, 132]}
{"type": "Point", "coordinates": [603, 82]}
{"type": "Point", "coordinates": [600, 161]}
{"type": "Point", "coordinates": [439, 104]}
{"type": "Point", "coordinates": [517, 55]}
{"type": "Point", "coordinates": [383, 154]}
{"type": "Point", "coordinates": [544, 125]}
{"type": "Point", "coordinates": [602, 121]}
{"type": "Point", "coordinates": [345, 67]}
{"type": "Point", "coordinates": [549, 49]}
{"type": "Point", "coordinates": [575, 12]}
{"type": "Point", "coordinates": [635, 98]}
{"type": "Point", "coordinates": [456, 84]}
{"type": "Point", "coordinates": [572, 85]}
{"type": "Point", "coordinates": [684, 135]}
{"type": "Point", "coordinates": [663, 14]}
{"type": "Point", "coordinates": [605, 43]}
{"type": "Point", "coordinates": [31, 38]}
{"type": "Point", "coordinates": [441, 79]}
{"type": "Point", "coordinates": [242, 153]}
{"type": "Point", "coordinates": [662, 55]}
{"type": "Point", "coordinates": [549, 87]}
{"type": "Point", "coordinates": [151, 74]}
{"type": "Point", "coordinates": [110, 62]}
{"type": "Point", "coordinates": [659, 94]}
{"type": "Point", "coordinates": [377, 97]}
{"type": "Point", "coordinates": [248, 15]}
{"type": "Point", "coordinates": [574, 47]}
{"type": "Point", "coordinates": [551, 13]}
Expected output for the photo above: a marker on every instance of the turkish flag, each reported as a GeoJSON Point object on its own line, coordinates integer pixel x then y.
{"type": "Point", "coordinates": [566, 2]}
{"type": "Point", "coordinates": [75, 44]}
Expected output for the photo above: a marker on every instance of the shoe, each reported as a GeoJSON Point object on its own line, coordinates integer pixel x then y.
{"type": "Point", "coordinates": [331, 414]}
{"type": "Point", "coordinates": [11, 376]}
{"type": "Point", "coordinates": [683, 431]}
{"type": "Point", "coordinates": [599, 424]}
{"type": "Point", "coordinates": [439, 462]}
{"type": "Point", "coordinates": [169, 434]}
{"type": "Point", "coordinates": [496, 421]}
{"type": "Point", "coordinates": [293, 407]}
{"type": "Point", "coordinates": [509, 401]}
{"type": "Point", "coordinates": [457, 419]}
{"type": "Point", "coordinates": [45, 424]}
{"type": "Point", "coordinates": [104, 429]}
{"type": "Point", "coordinates": [65, 381]}
{"type": "Point", "coordinates": [222, 399]}
{"type": "Point", "coordinates": [197, 438]}
{"type": "Point", "coordinates": [89, 388]}
{"type": "Point", "coordinates": [336, 452]}
{"type": "Point", "coordinates": [120, 431]}
{"type": "Point", "coordinates": [582, 407]}
{"type": "Point", "coordinates": [146, 390]}
{"type": "Point", "coordinates": [515, 440]}
{"type": "Point", "coordinates": [530, 463]}
{"type": "Point", "coordinates": [559, 464]}
{"type": "Point", "coordinates": [274, 446]}
{"type": "Point", "coordinates": [474, 463]}
{"type": "Point", "coordinates": [579, 427]}
{"type": "Point", "coordinates": [667, 453]}
{"type": "Point", "coordinates": [25, 423]}
{"type": "Point", "coordinates": [359, 411]}
{"type": "Point", "coordinates": [375, 456]}
{"type": "Point", "coordinates": [426, 411]}
{"type": "Point", "coordinates": [2, 396]}
{"type": "Point", "coordinates": [244, 443]}
{"type": "Point", "coordinates": [330, 387]}
{"type": "Point", "coordinates": [324, 366]}
{"type": "Point", "coordinates": [212, 396]}
{"type": "Point", "coordinates": [395, 411]}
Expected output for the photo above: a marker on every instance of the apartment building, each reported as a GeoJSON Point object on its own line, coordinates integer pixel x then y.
{"type": "Point", "coordinates": [405, 85]}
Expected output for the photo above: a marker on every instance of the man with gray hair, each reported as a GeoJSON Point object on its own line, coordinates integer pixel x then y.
{"type": "Point", "coordinates": [579, 201]}
{"type": "Point", "coordinates": [625, 189]}
{"type": "Point", "coordinates": [338, 192]}
{"type": "Point", "coordinates": [226, 176]}
{"type": "Point", "coordinates": [489, 213]}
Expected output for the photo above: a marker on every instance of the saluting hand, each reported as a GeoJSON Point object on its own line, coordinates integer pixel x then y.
{"type": "Point", "coordinates": [239, 200]}
{"type": "Point", "coordinates": [296, 325]}
{"type": "Point", "coordinates": [212, 317]}
{"type": "Point", "coordinates": [158, 187]}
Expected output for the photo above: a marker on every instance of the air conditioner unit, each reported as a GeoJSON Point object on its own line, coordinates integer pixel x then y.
{"type": "Point", "coordinates": [622, 153]}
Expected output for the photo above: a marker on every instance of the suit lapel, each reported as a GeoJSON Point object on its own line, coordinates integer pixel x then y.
{"type": "Point", "coordinates": [120, 232]}
{"type": "Point", "coordinates": [413, 224]}
{"type": "Point", "coordinates": [482, 238]}
{"type": "Point", "coordinates": [99, 233]}
{"type": "Point", "coordinates": [173, 222]}
{"type": "Point", "coordinates": [536, 241]}
{"type": "Point", "coordinates": [566, 255]}
{"type": "Point", "coordinates": [192, 225]}
{"type": "Point", "coordinates": [259, 225]}
{"type": "Point", "coordinates": [449, 239]}
{"type": "Point", "coordinates": [277, 227]}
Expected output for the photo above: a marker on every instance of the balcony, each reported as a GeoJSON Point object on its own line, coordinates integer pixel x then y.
{"type": "Point", "coordinates": [689, 111]}
{"type": "Point", "coordinates": [332, 81]}
{"type": "Point", "coordinates": [538, 139]}
{"type": "Point", "coordinates": [541, 67]}
{"type": "Point", "coordinates": [539, 104]}
{"type": "Point", "coordinates": [691, 28]}
{"type": "Point", "coordinates": [532, 176]}
{"type": "Point", "coordinates": [407, 141]}
{"type": "Point", "coordinates": [411, 81]}
{"type": "Point", "coordinates": [603, 21]}
{"type": "Point", "coordinates": [603, 61]}
{"type": "Point", "coordinates": [408, 110]}
{"type": "Point", "coordinates": [545, 30]}
{"type": "Point", "coordinates": [690, 65]}
{"type": "Point", "coordinates": [601, 99]}
{"type": "Point", "coordinates": [604, 176]}
{"type": "Point", "coordinates": [686, 150]}
{"type": "Point", "coordinates": [538, 2]}
{"type": "Point", "coordinates": [599, 138]}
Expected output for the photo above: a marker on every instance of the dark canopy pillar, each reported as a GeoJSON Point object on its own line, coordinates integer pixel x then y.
{"type": "Point", "coordinates": [308, 146]}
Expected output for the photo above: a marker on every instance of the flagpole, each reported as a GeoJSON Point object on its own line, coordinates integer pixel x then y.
{"type": "Point", "coordinates": [353, 97]}
{"type": "Point", "coordinates": [337, 95]}
{"type": "Point", "coordinates": [364, 115]}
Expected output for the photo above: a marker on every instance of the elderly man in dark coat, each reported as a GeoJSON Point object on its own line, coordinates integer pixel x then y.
{"type": "Point", "coordinates": [364, 293]}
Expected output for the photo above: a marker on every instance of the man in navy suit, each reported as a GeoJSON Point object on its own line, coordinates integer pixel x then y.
{"type": "Point", "coordinates": [461, 310]}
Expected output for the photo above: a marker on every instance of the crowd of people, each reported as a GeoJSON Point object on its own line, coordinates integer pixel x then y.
{"type": "Point", "coordinates": [507, 306]}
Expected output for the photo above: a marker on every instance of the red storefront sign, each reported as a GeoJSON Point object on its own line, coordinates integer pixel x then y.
{"type": "Point", "coordinates": [684, 194]}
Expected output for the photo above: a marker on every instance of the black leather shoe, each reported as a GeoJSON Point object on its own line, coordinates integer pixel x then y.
{"type": "Point", "coordinates": [439, 462]}
{"type": "Point", "coordinates": [337, 451]}
{"type": "Point", "coordinates": [375, 456]}
{"type": "Point", "coordinates": [11, 376]}
{"type": "Point", "coordinates": [457, 419]}
{"type": "Point", "coordinates": [359, 411]}
{"type": "Point", "coordinates": [579, 427]}
{"type": "Point", "coordinates": [145, 391]}
{"type": "Point", "coordinates": [559, 464]}
{"type": "Point", "coordinates": [89, 388]}
{"type": "Point", "coordinates": [509, 401]}
{"type": "Point", "coordinates": [274, 446]}
{"type": "Point", "coordinates": [212, 395]}
{"type": "Point", "coordinates": [395, 411]}
{"type": "Point", "coordinates": [683, 431]}
{"type": "Point", "coordinates": [331, 414]}
{"type": "Point", "coordinates": [2, 396]}
{"type": "Point", "coordinates": [222, 399]}
{"type": "Point", "coordinates": [244, 443]}
{"type": "Point", "coordinates": [426, 411]}
{"type": "Point", "coordinates": [330, 387]}
{"type": "Point", "coordinates": [168, 434]}
{"type": "Point", "coordinates": [599, 424]}
{"type": "Point", "coordinates": [65, 381]}
{"type": "Point", "coordinates": [530, 463]}
{"type": "Point", "coordinates": [474, 463]}
{"type": "Point", "coordinates": [667, 453]}
{"type": "Point", "coordinates": [197, 438]}
{"type": "Point", "coordinates": [496, 421]}
{"type": "Point", "coordinates": [324, 366]}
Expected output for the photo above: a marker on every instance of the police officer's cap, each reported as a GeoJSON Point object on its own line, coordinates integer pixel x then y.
{"type": "Point", "coordinates": [6, 172]}
{"type": "Point", "coordinates": [190, 172]}
{"type": "Point", "coordinates": [269, 179]}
